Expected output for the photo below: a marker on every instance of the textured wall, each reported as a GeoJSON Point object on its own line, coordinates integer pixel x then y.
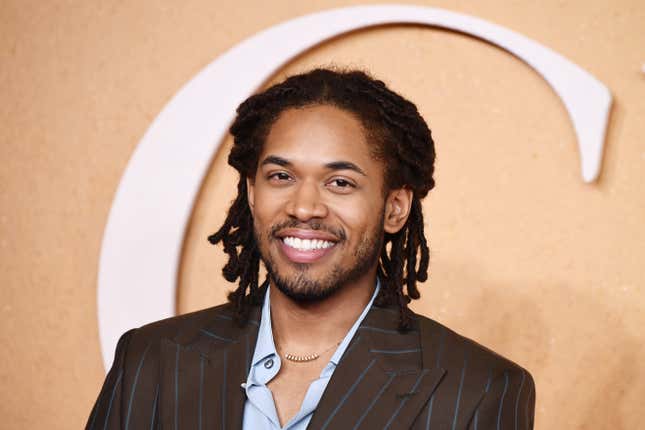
{"type": "Point", "coordinates": [525, 257]}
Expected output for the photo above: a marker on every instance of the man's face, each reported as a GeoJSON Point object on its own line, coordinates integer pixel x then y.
{"type": "Point", "coordinates": [317, 203]}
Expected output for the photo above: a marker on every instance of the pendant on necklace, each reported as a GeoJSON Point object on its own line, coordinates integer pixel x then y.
{"type": "Point", "coordinates": [301, 358]}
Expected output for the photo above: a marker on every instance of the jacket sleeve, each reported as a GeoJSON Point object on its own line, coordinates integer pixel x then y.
{"type": "Point", "coordinates": [508, 403]}
{"type": "Point", "coordinates": [130, 394]}
{"type": "Point", "coordinates": [107, 411]}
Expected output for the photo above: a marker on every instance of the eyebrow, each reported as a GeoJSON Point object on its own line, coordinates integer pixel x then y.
{"type": "Point", "coordinates": [344, 165]}
{"type": "Point", "coordinates": [334, 165]}
{"type": "Point", "coordinates": [274, 159]}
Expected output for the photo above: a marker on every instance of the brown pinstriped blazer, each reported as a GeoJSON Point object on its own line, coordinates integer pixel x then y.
{"type": "Point", "coordinates": [185, 373]}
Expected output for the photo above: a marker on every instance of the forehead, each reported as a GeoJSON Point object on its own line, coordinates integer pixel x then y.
{"type": "Point", "coordinates": [318, 134]}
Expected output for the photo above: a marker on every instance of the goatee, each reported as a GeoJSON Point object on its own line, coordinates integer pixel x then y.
{"type": "Point", "coordinates": [302, 288]}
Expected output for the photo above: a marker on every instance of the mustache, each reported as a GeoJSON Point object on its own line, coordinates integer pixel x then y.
{"type": "Point", "coordinates": [339, 232]}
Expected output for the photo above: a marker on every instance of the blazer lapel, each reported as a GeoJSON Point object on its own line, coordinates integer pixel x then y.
{"type": "Point", "coordinates": [380, 382]}
{"type": "Point", "coordinates": [202, 373]}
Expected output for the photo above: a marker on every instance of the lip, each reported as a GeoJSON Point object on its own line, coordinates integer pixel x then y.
{"type": "Point", "coordinates": [307, 257]}
{"type": "Point", "coordinates": [297, 256]}
{"type": "Point", "coordinates": [307, 234]}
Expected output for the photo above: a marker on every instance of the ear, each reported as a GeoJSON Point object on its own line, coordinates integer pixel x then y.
{"type": "Point", "coordinates": [250, 193]}
{"type": "Point", "coordinates": [397, 209]}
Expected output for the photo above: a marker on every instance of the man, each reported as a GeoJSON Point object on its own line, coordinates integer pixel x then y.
{"type": "Point", "coordinates": [333, 166]}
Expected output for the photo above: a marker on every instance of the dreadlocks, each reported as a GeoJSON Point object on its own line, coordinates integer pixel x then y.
{"type": "Point", "coordinates": [400, 137]}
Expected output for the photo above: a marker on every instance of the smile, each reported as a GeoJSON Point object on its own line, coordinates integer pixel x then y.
{"type": "Point", "coordinates": [306, 244]}
{"type": "Point", "coordinates": [305, 250]}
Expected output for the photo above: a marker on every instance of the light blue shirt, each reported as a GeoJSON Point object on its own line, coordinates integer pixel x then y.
{"type": "Point", "coordinates": [259, 409]}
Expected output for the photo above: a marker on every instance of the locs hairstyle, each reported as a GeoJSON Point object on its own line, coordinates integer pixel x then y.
{"type": "Point", "coordinates": [399, 137]}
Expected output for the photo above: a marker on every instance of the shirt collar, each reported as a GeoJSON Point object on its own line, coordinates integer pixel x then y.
{"type": "Point", "coordinates": [265, 346]}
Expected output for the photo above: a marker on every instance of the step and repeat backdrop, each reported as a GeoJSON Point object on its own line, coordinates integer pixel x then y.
{"type": "Point", "coordinates": [114, 145]}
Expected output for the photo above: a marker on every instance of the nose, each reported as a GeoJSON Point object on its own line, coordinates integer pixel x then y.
{"type": "Point", "coordinates": [305, 202]}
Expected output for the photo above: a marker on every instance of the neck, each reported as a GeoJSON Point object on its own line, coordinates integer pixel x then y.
{"type": "Point", "coordinates": [314, 326]}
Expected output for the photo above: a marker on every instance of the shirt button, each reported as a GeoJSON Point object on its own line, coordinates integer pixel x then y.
{"type": "Point", "coordinates": [268, 364]}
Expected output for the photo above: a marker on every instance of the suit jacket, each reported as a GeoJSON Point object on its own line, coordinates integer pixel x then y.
{"type": "Point", "coordinates": [185, 373]}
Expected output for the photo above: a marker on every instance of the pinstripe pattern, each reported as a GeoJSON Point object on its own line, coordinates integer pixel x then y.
{"type": "Point", "coordinates": [490, 378]}
{"type": "Point", "coordinates": [501, 402]}
{"type": "Point", "coordinates": [230, 318]}
{"type": "Point", "coordinates": [519, 392]}
{"type": "Point", "coordinates": [429, 415]}
{"type": "Point", "coordinates": [378, 330]}
{"type": "Point", "coordinates": [395, 351]}
{"type": "Point", "coordinates": [214, 336]}
{"type": "Point", "coordinates": [134, 386]}
{"type": "Point", "coordinates": [185, 373]}
{"type": "Point", "coordinates": [437, 365]}
{"type": "Point", "coordinates": [349, 393]}
{"type": "Point", "coordinates": [461, 386]}
{"type": "Point", "coordinates": [441, 344]}
{"type": "Point", "coordinates": [109, 409]}
{"type": "Point", "coordinates": [373, 402]}
{"type": "Point", "coordinates": [94, 413]}
{"type": "Point", "coordinates": [528, 410]}
{"type": "Point", "coordinates": [154, 408]}
{"type": "Point", "coordinates": [405, 399]}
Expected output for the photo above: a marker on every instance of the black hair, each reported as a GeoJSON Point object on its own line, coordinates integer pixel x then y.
{"type": "Point", "coordinates": [399, 136]}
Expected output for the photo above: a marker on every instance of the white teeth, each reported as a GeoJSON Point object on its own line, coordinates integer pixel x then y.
{"type": "Point", "coordinates": [306, 244]}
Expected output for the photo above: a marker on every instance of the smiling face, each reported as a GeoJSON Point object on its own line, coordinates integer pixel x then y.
{"type": "Point", "coordinates": [318, 205]}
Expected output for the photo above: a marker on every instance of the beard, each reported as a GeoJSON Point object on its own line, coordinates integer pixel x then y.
{"type": "Point", "coordinates": [302, 287]}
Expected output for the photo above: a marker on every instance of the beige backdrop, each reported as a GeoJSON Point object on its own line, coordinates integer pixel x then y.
{"type": "Point", "coordinates": [526, 258]}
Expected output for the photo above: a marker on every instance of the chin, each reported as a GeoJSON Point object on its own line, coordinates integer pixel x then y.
{"type": "Point", "coordinates": [303, 289]}
{"type": "Point", "coordinates": [309, 283]}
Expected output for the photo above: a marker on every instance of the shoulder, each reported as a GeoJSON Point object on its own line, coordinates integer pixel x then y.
{"type": "Point", "coordinates": [444, 347]}
{"type": "Point", "coordinates": [145, 340]}
{"type": "Point", "coordinates": [182, 326]}
{"type": "Point", "coordinates": [131, 389]}
{"type": "Point", "coordinates": [492, 390]}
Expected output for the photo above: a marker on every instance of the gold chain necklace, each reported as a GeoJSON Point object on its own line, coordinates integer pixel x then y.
{"type": "Point", "coordinates": [307, 357]}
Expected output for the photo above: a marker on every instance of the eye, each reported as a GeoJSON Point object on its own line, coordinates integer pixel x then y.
{"type": "Point", "coordinates": [279, 177]}
{"type": "Point", "coordinates": [341, 184]}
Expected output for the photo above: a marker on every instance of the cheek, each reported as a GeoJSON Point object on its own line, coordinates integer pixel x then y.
{"type": "Point", "coordinates": [358, 217]}
{"type": "Point", "coordinates": [265, 208]}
